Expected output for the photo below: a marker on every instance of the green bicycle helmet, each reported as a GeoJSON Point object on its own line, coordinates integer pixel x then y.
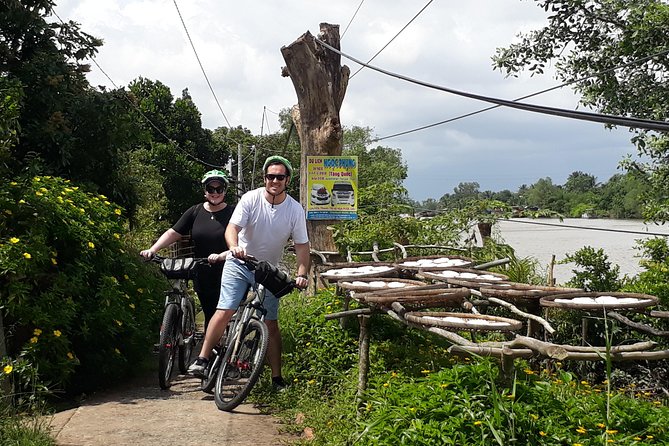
{"type": "Point", "coordinates": [276, 159]}
{"type": "Point", "coordinates": [215, 175]}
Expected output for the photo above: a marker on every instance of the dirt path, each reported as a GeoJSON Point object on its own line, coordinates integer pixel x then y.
{"type": "Point", "coordinates": [141, 414]}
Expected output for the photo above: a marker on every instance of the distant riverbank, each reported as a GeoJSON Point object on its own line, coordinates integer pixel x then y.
{"type": "Point", "coordinates": [542, 238]}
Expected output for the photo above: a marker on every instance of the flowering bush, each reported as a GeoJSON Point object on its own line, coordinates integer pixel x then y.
{"type": "Point", "coordinates": [74, 300]}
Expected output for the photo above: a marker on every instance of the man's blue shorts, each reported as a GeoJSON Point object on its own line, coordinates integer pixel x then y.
{"type": "Point", "coordinates": [235, 281]}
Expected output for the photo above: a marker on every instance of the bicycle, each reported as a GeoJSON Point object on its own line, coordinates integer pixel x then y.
{"type": "Point", "coordinates": [178, 333]}
{"type": "Point", "coordinates": [238, 359]}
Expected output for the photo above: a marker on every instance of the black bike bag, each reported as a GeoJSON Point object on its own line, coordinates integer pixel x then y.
{"type": "Point", "coordinates": [273, 279]}
{"type": "Point", "coordinates": [178, 268]}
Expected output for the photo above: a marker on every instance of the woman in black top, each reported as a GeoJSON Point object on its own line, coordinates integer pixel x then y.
{"type": "Point", "coordinates": [206, 222]}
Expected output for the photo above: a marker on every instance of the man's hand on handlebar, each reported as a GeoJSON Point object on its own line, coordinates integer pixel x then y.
{"type": "Point", "coordinates": [216, 258]}
{"type": "Point", "coordinates": [301, 282]}
{"type": "Point", "coordinates": [238, 252]}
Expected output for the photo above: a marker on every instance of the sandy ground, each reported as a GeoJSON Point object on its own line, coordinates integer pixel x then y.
{"type": "Point", "coordinates": [140, 413]}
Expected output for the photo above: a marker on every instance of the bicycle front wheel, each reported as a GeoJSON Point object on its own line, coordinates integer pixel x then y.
{"type": "Point", "coordinates": [238, 374]}
{"type": "Point", "coordinates": [168, 345]}
{"type": "Point", "coordinates": [188, 341]}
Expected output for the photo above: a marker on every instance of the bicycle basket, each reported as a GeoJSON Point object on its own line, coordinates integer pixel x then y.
{"type": "Point", "coordinates": [178, 268]}
{"type": "Point", "coordinates": [273, 279]}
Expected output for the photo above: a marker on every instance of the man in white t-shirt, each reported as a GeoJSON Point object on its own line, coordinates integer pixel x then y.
{"type": "Point", "coordinates": [261, 225]}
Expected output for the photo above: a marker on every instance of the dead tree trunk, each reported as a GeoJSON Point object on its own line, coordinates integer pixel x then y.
{"type": "Point", "coordinates": [320, 83]}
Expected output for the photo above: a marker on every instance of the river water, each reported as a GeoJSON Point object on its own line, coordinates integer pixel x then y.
{"type": "Point", "coordinates": [542, 238]}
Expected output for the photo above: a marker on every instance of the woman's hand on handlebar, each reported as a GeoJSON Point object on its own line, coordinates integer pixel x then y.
{"type": "Point", "coordinates": [216, 258]}
{"type": "Point", "coordinates": [147, 254]}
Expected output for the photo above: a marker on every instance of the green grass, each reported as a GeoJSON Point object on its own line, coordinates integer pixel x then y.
{"type": "Point", "coordinates": [418, 395]}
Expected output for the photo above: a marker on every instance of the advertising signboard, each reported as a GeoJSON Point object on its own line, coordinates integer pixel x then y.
{"type": "Point", "coordinates": [332, 186]}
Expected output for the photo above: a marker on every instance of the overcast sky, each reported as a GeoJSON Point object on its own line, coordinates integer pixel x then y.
{"type": "Point", "coordinates": [449, 44]}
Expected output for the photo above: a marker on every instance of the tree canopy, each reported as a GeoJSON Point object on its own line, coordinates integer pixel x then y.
{"type": "Point", "coordinates": [615, 53]}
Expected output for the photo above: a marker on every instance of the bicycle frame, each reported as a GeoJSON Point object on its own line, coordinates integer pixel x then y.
{"type": "Point", "coordinates": [251, 307]}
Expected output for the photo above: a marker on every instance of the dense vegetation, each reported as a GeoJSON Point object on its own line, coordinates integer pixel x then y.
{"type": "Point", "coordinates": [621, 196]}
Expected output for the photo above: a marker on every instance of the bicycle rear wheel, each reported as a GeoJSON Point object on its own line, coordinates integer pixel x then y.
{"type": "Point", "coordinates": [168, 345]}
{"type": "Point", "coordinates": [188, 336]}
{"type": "Point", "coordinates": [237, 375]}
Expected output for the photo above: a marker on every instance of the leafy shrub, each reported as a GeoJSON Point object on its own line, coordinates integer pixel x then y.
{"type": "Point", "coordinates": [75, 300]}
{"type": "Point", "coordinates": [597, 273]}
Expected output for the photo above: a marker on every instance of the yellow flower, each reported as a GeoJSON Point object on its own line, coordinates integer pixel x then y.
{"type": "Point", "coordinates": [311, 382]}
{"type": "Point", "coordinates": [581, 430]}
{"type": "Point", "coordinates": [27, 255]}
{"type": "Point", "coordinates": [107, 203]}
{"type": "Point", "coordinates": [117, 211]}
{"type": "Point", "coordinates": [57, 333]}
{"type": "Point", "coordinates": [412, 409]}
{"type": "Point", "coordinates": [8, 369]}
{"type": "Point", "coordinates": [308, 344]}
{"type": "Point", "coordinates": [14, 183]}
{"type": "Point", "coordinates": [14, 240]}
{"type": "Point", "coordinates": [657, 403]}
{"type": "Point", "coordinates": [425, 372]}
{"type": "Point", "coordinates": [119, 323]}
{"type": "Point", "coordinates": [611, 431]}
{"type": "Point", "coordinates": [70, 355]}
{"type": "Point", "coordinates": [118, 352]}
{"type": "Point", "coordinates": [534, 417]}
{"type": "Point", "coordinates": [610, 441]}
{"type": "Point", "coordinates": [132, 306]}
{"type": "Point", "coordinates": [38, 193]}
{"type": "Point", "coordinates": [140, 290]}
{"type": "Point", "coordinates": [54, 261]}
{"type": "Point", "coordinates": [33, 340]}
{"type": "Point", "coordinates": [386, 384]}
{"type": "Point", "coordinates": [295, 380]}
{"type": "Point", "coordinates": [37, 332]}
{"type": "Point", "coordinates": [577, 444]}
{"type": "Point", "coordinates": [601, 425]}
{"type": "Point", "coordinates": [637, 439]}
{"type": "Point", "coordinates": [649, 437]}
{"type": "Point", "coordinates": [22, 201]}
{"type": "Point", "coordinates": [542, 433]}
{"type": "Point", "coordinates": [393, 375]}
{"type": "Point", "coordinates": [117, 236]}
{"type": "Point", "coordinates": [478, 423]}
{"type": "Point", "coordinates": [529, 372]}
{"type": "Point", "coordinates": [125, 276]}
{"type": "Point", "coordinates": [443, 386]}
{"type": "Point", "coordinates": [91, 245]}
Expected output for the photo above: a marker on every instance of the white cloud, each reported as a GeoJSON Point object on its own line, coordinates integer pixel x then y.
{"type": "Point", "coordinates": [449, 44]}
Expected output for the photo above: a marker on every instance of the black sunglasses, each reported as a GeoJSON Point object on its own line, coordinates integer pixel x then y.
{"type": "Point", "coordinates": [272, 177]}
{"type": "Point", "coordinates": [215, 190]}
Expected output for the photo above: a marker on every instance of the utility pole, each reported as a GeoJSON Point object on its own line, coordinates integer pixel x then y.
{"type": "Point", "coordinates": [240, 175]}
{"type": "Point", "coordinates": [320, 83]}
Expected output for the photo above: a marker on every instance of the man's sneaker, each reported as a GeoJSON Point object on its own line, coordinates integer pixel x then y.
{"type": "Point", "coordinates": [278, 384]}
{"type": "Point", "coordinates": [198, 367]}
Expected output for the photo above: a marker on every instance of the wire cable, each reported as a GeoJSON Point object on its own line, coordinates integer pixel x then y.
{"type": "Point", "coordinates": [141, 113]}
{"type": "Point", "coordinates": [466, 115]}
{"type": "Point", "coordinates": [390, 41]}
{"type": "Point", "coordinates": [351, 21]}
{"type": "Point", "coordinates": [200, 63]}
{"type": "Point", "coordinates": [646, 124]}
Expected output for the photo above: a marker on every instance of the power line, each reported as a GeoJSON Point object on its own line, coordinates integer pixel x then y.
{"type": "Point", "coordinates": [350, 21]}
{"type": "Point", "coordinates": [466, 115]}
{"type": "Point", "coordinates": [200, 63]}
{"type": "Point", "coordinates": [646, 124]}
{"type": "Point", "coordinates": [394, 37]}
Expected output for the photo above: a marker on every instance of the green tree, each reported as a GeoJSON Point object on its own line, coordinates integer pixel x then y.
{"type": "Point", "coordinates": [625, 42]}
{"type": "Point", "coordinates": [580, 182]}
